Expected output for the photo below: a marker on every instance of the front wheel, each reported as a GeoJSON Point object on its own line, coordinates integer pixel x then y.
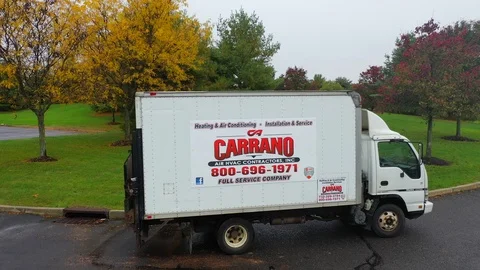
{"type": "Point", "coordinates": [235, 236]}
{"type": "Point", "coordinates": [388, 221]}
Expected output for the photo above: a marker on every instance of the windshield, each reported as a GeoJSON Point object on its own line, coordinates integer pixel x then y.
{"type": "Point", "coordinates": [401, 155]}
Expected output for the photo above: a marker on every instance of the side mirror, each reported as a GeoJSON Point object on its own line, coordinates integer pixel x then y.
{"type": "Point", "coordinates": [420, 152]}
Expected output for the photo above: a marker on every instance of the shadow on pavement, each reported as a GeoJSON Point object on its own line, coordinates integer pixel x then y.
{"type": "Point", "coordinates": [312, 245]}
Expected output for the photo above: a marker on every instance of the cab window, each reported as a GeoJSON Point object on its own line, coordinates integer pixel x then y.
{"type": "Point", "coordinates": [401, 155]}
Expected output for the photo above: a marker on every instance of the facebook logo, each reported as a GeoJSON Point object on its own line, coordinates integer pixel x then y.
{"type": "Point", "coordinates": [199, 181]}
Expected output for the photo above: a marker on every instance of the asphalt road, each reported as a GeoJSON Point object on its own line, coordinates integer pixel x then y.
{"type": "Point", "coordinates": [448, 238]}
{"type": "Point", "coordinates": [13, 133]}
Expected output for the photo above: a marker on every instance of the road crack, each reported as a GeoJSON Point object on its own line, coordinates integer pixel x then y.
{"type": "Point", "coordinates": [372, 261]}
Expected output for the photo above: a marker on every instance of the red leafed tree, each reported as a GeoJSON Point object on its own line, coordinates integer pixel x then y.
{"type": "Point", "coordinates": [369, 84]}
{"type": "Point", "coordinates": [295, 79]}
{"type": "Point", "coordinates": [464, 103]}
{"type": "Point", "coordinates": [373, 75]}
{"type": "Point", "coordinates": [429, 72]}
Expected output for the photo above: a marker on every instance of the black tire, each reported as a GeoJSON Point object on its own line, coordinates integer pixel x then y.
{"type": "Point", "coordinates": [385, 218]}
{"type": "Point", "coordinates": [234, 228]}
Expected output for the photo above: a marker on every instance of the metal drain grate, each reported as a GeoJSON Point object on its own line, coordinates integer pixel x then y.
{"type": "Point", "coordinates": [84, 216]}
{"type": "Point", "coordinates": [81, 221]}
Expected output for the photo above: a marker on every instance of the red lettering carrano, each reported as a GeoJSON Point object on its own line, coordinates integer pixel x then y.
{"type": "Point", "coordinates": [332, 188]}
{"type": "Point", "coordinates": [236, 147]}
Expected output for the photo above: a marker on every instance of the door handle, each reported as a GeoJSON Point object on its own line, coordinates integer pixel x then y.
{"type": "Point", "coordinates": [384, 183]}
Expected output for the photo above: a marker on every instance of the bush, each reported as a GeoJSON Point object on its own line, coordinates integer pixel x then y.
{"type": "Point", "coordinates": [5, 107]}
{"type": "Point", "coordinates": [101, 108]}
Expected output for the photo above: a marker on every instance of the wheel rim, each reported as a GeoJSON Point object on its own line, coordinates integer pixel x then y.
{"type": "Point", "coordinates": [236, 236]}
{"type": "Point", "coordinates": [388, 221]}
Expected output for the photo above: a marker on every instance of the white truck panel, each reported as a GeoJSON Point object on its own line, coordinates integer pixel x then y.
{"type": "Point", "coordinates": [170, 188]}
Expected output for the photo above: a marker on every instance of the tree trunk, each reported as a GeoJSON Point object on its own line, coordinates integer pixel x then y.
{"type": "Point", "coordinates": [113, 117]}
{"type": "Point", "coordinates": [127, 130]}
{"type": "Point", "coordinates": [459, 127]}
{"type": "Point", "coordinates": [429, 138]}
{"type": "Point", "coordinates": [41, 132]}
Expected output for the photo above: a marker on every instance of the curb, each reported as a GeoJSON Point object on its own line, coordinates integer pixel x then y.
{"type": "Point", "coordinates": [50, 211]}
{"type": "Point", "coordinates": [46, 211]}
{"type": "Point", "coordinates": [116, 214]}
{"type": "Point", "coordinates": [120, 214]}
{"type": "Point", "coordinates": [453, 190]}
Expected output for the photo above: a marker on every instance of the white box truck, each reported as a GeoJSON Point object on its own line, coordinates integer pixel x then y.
{"type": "Point", "coordinates": [220, 161]}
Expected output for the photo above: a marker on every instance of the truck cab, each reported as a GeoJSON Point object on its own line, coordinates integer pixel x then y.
{"type": "Point", "coordinates": [395, 175]}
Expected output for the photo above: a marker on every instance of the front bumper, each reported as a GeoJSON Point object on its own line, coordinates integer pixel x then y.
{"type": "Point", "coordinates": [428, 207]}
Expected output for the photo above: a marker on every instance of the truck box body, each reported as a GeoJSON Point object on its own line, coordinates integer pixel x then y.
{"type": "Point", "coordinates": [235, 152]}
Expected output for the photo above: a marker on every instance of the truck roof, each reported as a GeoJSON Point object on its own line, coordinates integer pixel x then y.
{"type": "Point", "coordinates": [247, 93]}
{"type": "Point", "coordinates": [239, 93]}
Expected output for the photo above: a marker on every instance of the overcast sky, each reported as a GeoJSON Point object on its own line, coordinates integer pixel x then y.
{"type": "Point", "coordinates": [341, 37]}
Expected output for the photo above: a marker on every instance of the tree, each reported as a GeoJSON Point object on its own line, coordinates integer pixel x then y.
{"type": "Point", "coordinates": [344, 82]}
{"type": "Point", "coordinates": [426, 70]}
{"type": "Point", "coordinates": [405, 100]}
{"type": "Point", "coordinates": [295, 79]}
{"type": "Point", "coordinates": [373, 75]}
{"type": "Point", "coordinates": [464, 103]}
{"type": "Point", "coordinates": [141, 45]}
{"type": "Point", "coordinates": [244, 52]}
{"type": "Point", "coordinates": [317, 82]}
{"type": "Point", "coordinates": [38, 49]}
{"type": "Point", "coordinates": [280, 82]}
{"type": "Point", "coordinates": [369, 85]}
{"type": "Point", "coordinates": [206, 77]}
{"type": "Point", "coordinates": [104, 99]}
{"type": "Point", "coordinates": [397, 56]}
{"type": "Point", "coordinates": [331, 86]}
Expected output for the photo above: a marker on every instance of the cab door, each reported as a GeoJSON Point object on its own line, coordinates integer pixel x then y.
{"type": "Point", "coordinates": [399, 172]}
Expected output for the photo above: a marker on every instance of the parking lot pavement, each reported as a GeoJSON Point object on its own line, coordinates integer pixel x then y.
{"type": "Point", "coordinates": [13, 133]}
{"type": "Point", "coordinates": [448, 238]}
{"type": "Point", "coordinates": [315, 245]}
{"type": "Point", "coordinates": [31, 242]}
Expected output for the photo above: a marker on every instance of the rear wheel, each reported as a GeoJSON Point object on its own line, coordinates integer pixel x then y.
{"type": "Point", "coordinates": [235, 236]}
{"type": "Point", "coordinates": [388, 221]}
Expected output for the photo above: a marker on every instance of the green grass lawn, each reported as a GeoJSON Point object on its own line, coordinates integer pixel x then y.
{"type": "Point", "coordinates": [89, 172]}
{"type": "Point", "coordinates": [62, 116]}
{"type": "Point", "coordinates": [464, 156]}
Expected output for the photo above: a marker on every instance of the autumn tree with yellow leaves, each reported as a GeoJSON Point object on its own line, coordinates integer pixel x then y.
{"type": "Point", "coordinates": [38, 47]}
{"type": "Point", "coordinates": [140, 45]}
